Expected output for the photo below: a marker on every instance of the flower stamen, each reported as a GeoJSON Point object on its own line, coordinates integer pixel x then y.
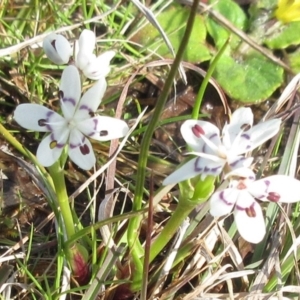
{"type": "Point", "coordinates": [42, 122]}
{"type": "Point", "coordinates": [84, 149]}
{"type": "Point", "coordinates": [103, 133]}
{"type": "Point", "coordinates": [245, 127]}
{"type": "Point", "coordinates": [53, 144]}
{"type": "Point", "coordinates": [53, 44]}
{"type": "Point", "coordinates": [250, 211]}
{"type": "Point", "coordinates": [273, 196]}
{"type": "Point", "coordinates": [198, 131]}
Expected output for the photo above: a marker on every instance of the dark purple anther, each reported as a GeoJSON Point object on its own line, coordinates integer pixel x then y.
{"type": "Point", "coordinates": [60, 94]}
{"type": "Point", "coordinates": [250, 211]}
{"type": "Point", "coordinates": [53, 44]}
{"type": "Point", "coordinates": [42, 122]}
{"type": "Point", "coordinates": [245, 127]}
{"type": "Point", "coordinates": [103, 133]}
{"type": "Point", "coordinates": [84, 149]}
{"type": "Point", "coordinates": [198, 130]}
{"type": "Point", "coordinates": [274, 197]}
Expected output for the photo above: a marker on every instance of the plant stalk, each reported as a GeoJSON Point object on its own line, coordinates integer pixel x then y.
{"type": "Point", "coordinates": [58, 178]}
{"type": "Point", "coordinates": [133, 228]}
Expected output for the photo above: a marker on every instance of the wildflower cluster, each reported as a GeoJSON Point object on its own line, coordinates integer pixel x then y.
{"type": "Point", "coordinates": [78, 121]}
{"type": "Point", "coordinates": [224, 153]}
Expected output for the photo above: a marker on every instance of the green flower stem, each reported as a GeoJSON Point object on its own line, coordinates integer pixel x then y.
{"type": "Point", "coordinates": [199, 98]}
{"type": "Point", "coordinates": [181, 212]}
{"type": "Point", "coordinates": [57, 174]}
{"type": "Point", "coordinates": [133, 227]}
{"type": "Point", "coordinates": [18, 146]}
{"type": "Point", "coordinates": [58, 180]}
{"type": "Point", "coordinates": [186, 203]}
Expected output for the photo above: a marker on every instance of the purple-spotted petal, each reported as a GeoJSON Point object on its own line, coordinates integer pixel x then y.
{"type": "Point", "coordinates": [276, 188]}
{"type": "Point", "coordinates": [103, 128]}
{"type": "Point", "coordinates": [37, 117]}
{"type": "Point", "coordinates": [96, 68]}
{"type": "Point", "coordinates": [70, 91]}
{"type": "Point", "coordinates": [81, 150]}
{"type": "Point", "coordinates": [90, 101]}
{"type": "Point", "coordinates": [192, 131]}
{"type": "Point", "coordinates": [256, 136]}
{"type": "Point", "coordinates": [241, 120]}
{"type": "Point", "coordinates": [249, 218]}
{"type": "Point", "coordinates": [50, 150]}
{"type": "Point", "coordinates": [57, 48]}
{"type": "Point", "coordinates": [194, 167]}
{"type": "Point", "coordinates": [222, 202]}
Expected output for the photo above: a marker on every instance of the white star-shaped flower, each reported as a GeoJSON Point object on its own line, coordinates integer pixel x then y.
{"type": "Point", "coordinates": [240, 197]}
{"type": "Point", "coordinates": [75, 126]}
{"type": "Point", "coordinates": [59, 51]}
{"type": "Point", "coordinates": [214, 151]}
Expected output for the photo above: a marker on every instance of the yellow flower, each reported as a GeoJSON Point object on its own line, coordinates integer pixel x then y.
{"type": "Point", "coordinates": [288, 11]}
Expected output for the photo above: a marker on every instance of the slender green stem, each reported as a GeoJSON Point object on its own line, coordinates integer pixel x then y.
{"type": "Point", "coordinates": [58, 178]}
{"type": "Point", "coordinates": [212, 66]}
{"type": "Point", "coordinates": [189, 199]}
{"type": "Point", "coordinates": [181, 212]}
{"type": "Point", "coordinates": [133, 227]}
{"type": "Point", "coordinates": [18, 146]}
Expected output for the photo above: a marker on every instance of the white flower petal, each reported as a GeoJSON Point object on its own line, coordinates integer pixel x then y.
{"type": "Point", "coordinates": [256, 136]}
{"type": "Point", "coordinates": [193, 168]}
{"type": "Point", "coordinates": [240, 119]}
{"type": "Point", "coordinates": [222, 202]}
{"type": "Point", "coordinates": [210, 157]}
{"type": "Point", "coordinates": [103, 128]}
{"type": "Point", "coordinates": [36, 117]}
{"type": "Point", "coordinates": [87, 41]}
{"type": "Point", "coordinates": [241, 172]}
{"type": "Point", "coordinates": [192, 131]}
{"type": "Point", "coordinates": [90, 101]}
{"type": "Point", "coordinates": [249, 218]}
{"type": "Point", "coordinates": [49, 151]}
{"type": "Point", "coordinates": [57, 48]}
{"type": "Point", "coordinates": [81, 150]}
{"type": "Point", "coordinates": [85, 47]}
{"type": "Point", "coordinates": [276, 188]}
{"type": "Point", "coordinates": [70, 91]}
{"type": "Point", "coordinates": [84, 60]}
{"type": "Point", "coordinates": [98, 67]}
{"type": "Point", "coordinates": [237, 162]}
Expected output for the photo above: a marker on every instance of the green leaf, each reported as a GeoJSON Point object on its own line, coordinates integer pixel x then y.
{"type": "Point", "coordinates": [284, 36]}
{"type": "Point", "coordinates": [294, 60]}
{"type": "Point", "coordinates": [251, 79]}
{"type": "Point", "coordinates": [232, 12]}
{"type": "Point", "coordinates": [173, 21]}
